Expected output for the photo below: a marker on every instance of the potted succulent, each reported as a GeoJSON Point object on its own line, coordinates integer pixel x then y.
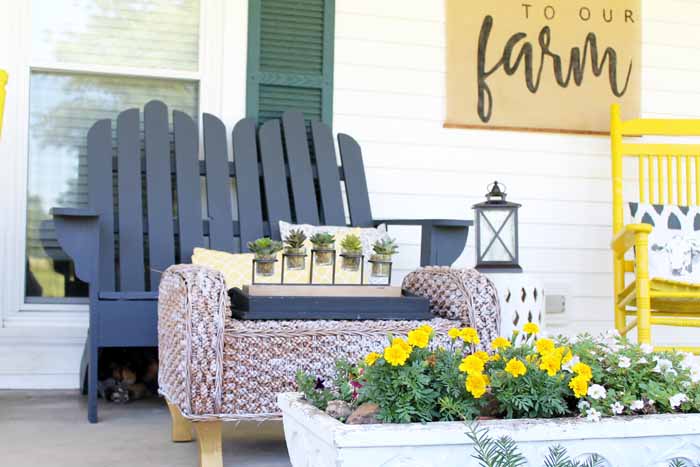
{"type": "Point", "coordinates": [295, 251]}
{"type": "Point", "coordinates": [265, 250]}
{"type": "Point", "coordinates": [352, 252]}
{"type": "Point", "coordinates": [384, 249]}
{"type": "Point", "coordinates": [323, 243]}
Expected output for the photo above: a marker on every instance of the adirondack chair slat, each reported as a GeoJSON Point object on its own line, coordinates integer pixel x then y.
{"type": "Point", "coordinates": [189, 207]}
{"type": "Point", "coordinates": [297, 149]}
{"type": "Point", "coordinates": [218, 184]}
{"type": "Point", "coordinates": [235, 226]}
{"type": "Point", "coordinates": [99, 146]}
{"type": "Point", "coordinates": [328, 175]}
{"type": "Point", "coordinates": [274, 176]}
{"type": "Point", "coordinates": [161, 238]}
{"type": "Point", "coordinates": [355, 181]}
{"type": "Point", "coordinates": [131, 259]}
{"type": "Point", "coordinates": [245, 159]}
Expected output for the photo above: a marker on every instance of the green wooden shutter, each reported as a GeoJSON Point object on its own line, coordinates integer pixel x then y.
{"type": "Point", "coordinates": [290, 58]}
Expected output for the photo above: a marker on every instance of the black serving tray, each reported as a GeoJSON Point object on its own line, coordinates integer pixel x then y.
{"type": "Point", "coordinates": [406, 307]}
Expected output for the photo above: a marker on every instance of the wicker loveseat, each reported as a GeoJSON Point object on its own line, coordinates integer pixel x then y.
{"type": "Point", "coordinates": [214, 368]}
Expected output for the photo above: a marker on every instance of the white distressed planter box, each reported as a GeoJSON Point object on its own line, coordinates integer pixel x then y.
{"type": "Point", "coordinates": [315, 439]}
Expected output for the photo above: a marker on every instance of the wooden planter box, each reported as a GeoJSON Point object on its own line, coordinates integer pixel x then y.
{"type": "Point", "coordinates": [315, 439]}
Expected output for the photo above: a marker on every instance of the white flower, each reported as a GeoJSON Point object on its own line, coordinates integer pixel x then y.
{"type": "Point", "coordinates": [647, 348]}
{"type": "Point", "coordinates": [617, 408]}
{"type": "Point", "coordinates": [663, 365]}
{"type": "Point", "coordinates": [695, 375]}
{"type": "Point", "coordinates": [651, 401]}
{"type": "Point", "coordinates": [596, 391]}
{"type": "Point", "coordinates": [677, 399]}
{"type": "Point", "coordinates": [583, 405]}
{"type": "Point", "coordinates": [592, 415]}
{"type": "Point", "coordinates": [671, 371]}
{"type": "Point", "coordinates": [642, 360]}
{"type": "Point", "coordinates": [624, 362]}
{"type": "Point", "coordinates": [570, 364]}
{"type": "Point", "coordinates": [637, 405]}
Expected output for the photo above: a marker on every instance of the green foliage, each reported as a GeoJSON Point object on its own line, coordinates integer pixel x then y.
{"type": "Point", "coordinates": [314, 390]}
{"type": "Point", "coordinates": [343, 386]}
{"type": "Point", "coordinates": [264, 247]}
{"type": "Point", "coordinates": [385, 246]}
{"type": "Point", "coordinates": [322, 239]}
{"type": "Point", "coordinates": [504, 452]}
{"type": "Point", "coordinates": [295, 240]}
{"type": "Point", "coordinates": [351, 244]}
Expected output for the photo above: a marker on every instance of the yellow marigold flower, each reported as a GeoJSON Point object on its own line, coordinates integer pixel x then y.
{"type": "Point", "coordinates": [579, 385]}
{"type": "Point", "coordinates": [395, 355]}
{"type": "Point", "coordinates": [568, 356]}
{"type": "Point", "coordinates": [418, 338]}
{"type": "Point", "coordinates": [495, 358]}
{"type": "Point", "coordinates": [426, 328]}
{"type": "Point", "coordinates": [544, 345]}
{"type": "Point", "coordinates": [471, 364]}
{"type": "Point", "coordinates": [469, 335]}
{"type": "Point", "coordinates": [583, 371]}
{"type": "Point", "coordinates": [515, 368]}
{"type": "Point", "coordinates": [453, 333]}
{"type": "Point", "coordinates": [371, 358]}
{"type": "Point", "coordinates": [482, 355]}
{"type": "Point", "coordinates": [531, 328]}
{"type": "Point", "coordinates": [476, 384]}
{"type": "Point", "coordinates": [500, 343]}
{"type": "Point", "coordinates": [402, 344]}
{"type": "Point", "coordinates": [551, 362]}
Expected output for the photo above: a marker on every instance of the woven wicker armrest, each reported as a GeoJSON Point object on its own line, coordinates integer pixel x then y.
{"type": "Point", "coordinates": [192, 305]}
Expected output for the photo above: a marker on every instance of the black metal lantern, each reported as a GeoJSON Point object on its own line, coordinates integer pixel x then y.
{"type": "Point", "coordinates": [497, 233]}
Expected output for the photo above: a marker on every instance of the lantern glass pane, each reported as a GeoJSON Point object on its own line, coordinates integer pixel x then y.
{"type": "Point", "coordinates": [493, 249]}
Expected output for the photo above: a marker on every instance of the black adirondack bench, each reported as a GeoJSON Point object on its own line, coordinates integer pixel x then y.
{"type": "Point", "coordinates": [124, 240]}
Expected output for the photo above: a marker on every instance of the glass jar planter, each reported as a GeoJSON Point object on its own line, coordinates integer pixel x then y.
{"type": "Point", "coordinates": [351, 260]}
{"type": "Point", "coordinates": [381, 265]}
{"type": "Point", "coordinates": [296, 258]}
{"type": "Point", "coordinates": [265, 266]}
{"type": "Point", "coordinates": [324, 255]}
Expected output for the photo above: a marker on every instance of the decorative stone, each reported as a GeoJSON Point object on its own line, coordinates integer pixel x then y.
{"type": "Point", "coordinates": [365, 414]}
{"type": "Point", "coordinates": [316, 440]}
{"type": "Point", "coordinates": [338, 409]}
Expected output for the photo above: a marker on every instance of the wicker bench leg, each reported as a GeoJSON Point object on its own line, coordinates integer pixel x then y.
{"type": "Point", "coordinates": [182, 428]}
{"type": "Point", "coordinates": [209, 440]}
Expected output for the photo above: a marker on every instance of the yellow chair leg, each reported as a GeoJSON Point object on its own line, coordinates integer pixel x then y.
{"type": "Point", "coordinates": [619, 277]}
{"type": "Point", "coordinates": [643, 292]}
{"type": "Point", "coordinates": [182, 428]}
{"type": "Point", "coordinates": [209, 440]}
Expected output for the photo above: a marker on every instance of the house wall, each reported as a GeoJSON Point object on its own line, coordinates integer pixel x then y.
{"type": "Point", "coordinates": [390, 95]}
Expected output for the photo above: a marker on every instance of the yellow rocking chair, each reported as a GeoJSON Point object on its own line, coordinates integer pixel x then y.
{"type": "Point", "coordinates": [3, 82]}
{"type": "Point", "coordinates": [668, 174]}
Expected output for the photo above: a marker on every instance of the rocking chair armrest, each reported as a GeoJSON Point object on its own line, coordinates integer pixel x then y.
{"type": "Point", "coordinates": [442, 240]}
{"type": "Point", "coordinates": [193, 306]}
{"type": "Point", "coordinates": [628, 237]}
{"type": "Point", "coordinates": [77, 231]}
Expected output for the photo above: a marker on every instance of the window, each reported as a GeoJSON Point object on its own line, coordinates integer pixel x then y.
{"type": "Point", "coordinates": [290, 58]}
{"type": "Point", "coordinates": [91, 60]}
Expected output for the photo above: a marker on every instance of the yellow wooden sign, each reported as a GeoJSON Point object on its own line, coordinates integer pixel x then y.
{"type": "Point", "coordinates": [550, 65]}
{"type": "Point", "coordinates": [3, 82]}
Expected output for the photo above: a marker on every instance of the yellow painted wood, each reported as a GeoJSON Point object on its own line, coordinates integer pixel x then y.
{"type": "Point", "coordinates": [652, 301]}
{"type": "Point", "coordinates": [688, 181]}
{"type": "Point", "coordinates": [626, 239]}
{"type": "Point", "coordinates": [209, 441]}
{"type": "Point", "coordinates": [3, 82]}
{"type": "Point", "coordinates": [659, 127]}
{"type": "Point", "coordinates": [682, 348]}
{"type": "Point", "coordinates": [181, 427]}
{"type": "Point", "coordinates": [650, 167]}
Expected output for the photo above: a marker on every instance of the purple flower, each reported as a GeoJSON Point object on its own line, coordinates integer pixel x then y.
{"type": "Point", "coordinates": [319, 383]}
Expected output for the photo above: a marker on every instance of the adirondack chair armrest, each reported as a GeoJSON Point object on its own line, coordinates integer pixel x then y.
{"type": "Point", "coordinates": [193, 307]}
{"type": "Point", "coordinates": [628, 237]}
{"type": "Point", "coordinates": [77, 231]}
{"type": "Point", "coordinates": [442, 240]}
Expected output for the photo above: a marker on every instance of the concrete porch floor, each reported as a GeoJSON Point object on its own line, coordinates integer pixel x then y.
{"type": "Point", "coordinates": [50, 429]}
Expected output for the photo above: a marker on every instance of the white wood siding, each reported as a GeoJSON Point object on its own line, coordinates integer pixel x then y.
{"type": "Point", "coordinates": [390, 95]}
